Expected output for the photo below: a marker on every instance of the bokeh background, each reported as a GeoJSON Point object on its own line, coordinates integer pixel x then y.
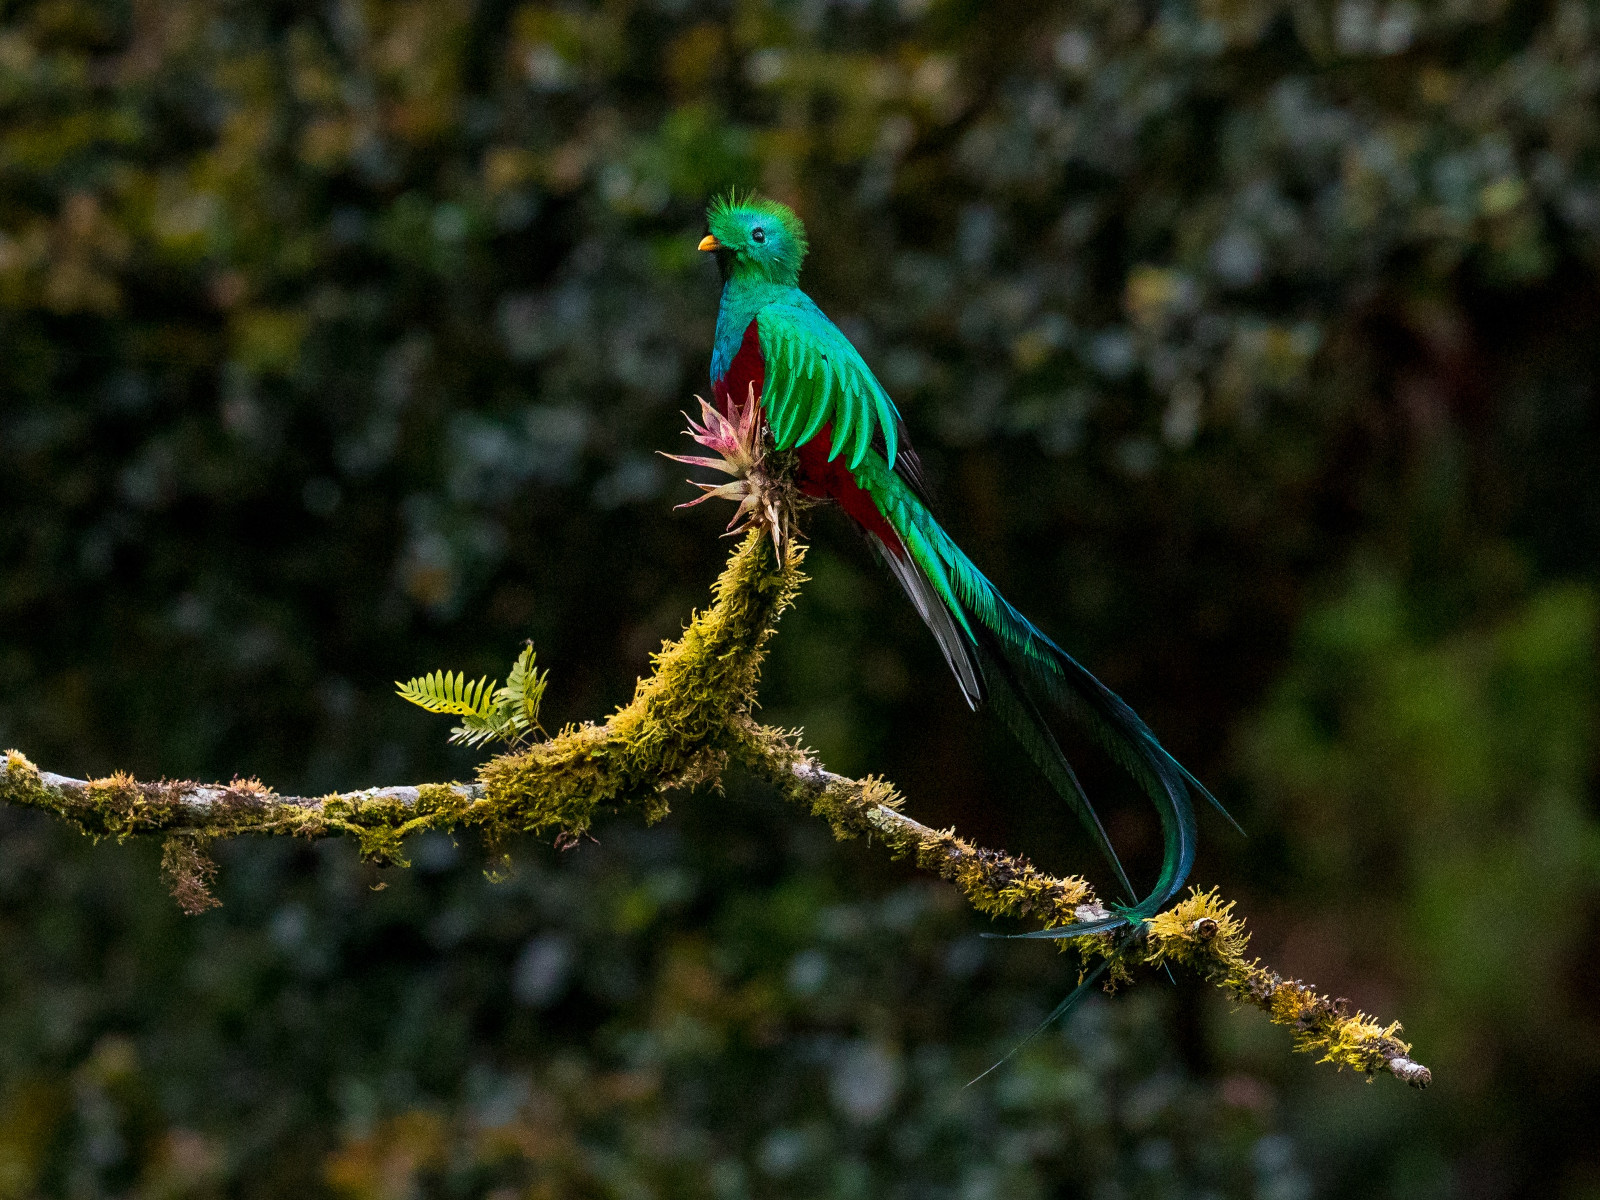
{"type": "Point", "coordinates": [1253, 348]}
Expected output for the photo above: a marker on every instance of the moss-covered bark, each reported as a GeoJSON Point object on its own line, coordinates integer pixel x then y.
{"type": "Point", "coordinates": [686, 721]}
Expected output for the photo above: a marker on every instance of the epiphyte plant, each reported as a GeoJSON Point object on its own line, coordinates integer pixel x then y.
{"type": "Point", "coordinates": [488, 712]}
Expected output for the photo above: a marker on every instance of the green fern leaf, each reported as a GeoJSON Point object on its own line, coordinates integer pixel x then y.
{"type": "Point", "coordinates": [524, 690]}
{"type": "Point", "coordinates": [487, 711]}
{"type": "Point", "coordinates": [475, 730]}
{"type": "Point", "coordinates": [450, 692]}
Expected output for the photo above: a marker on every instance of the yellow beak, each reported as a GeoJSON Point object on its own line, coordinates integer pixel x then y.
{"type": "Point", "coordinates": [710, 243]}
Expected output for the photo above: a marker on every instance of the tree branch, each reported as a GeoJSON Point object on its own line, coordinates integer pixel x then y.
{"type": "Point", "coordinates": [685, 723]}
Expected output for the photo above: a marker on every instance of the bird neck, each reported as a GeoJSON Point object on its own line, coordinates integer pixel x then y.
{"type": "Point", "coordinates": [748, 289]}
{"type": "Point", "coordinates": [742, 299]}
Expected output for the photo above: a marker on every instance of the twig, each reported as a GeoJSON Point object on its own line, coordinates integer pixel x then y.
{"type": "Point", "coordinates": [1200, 932]}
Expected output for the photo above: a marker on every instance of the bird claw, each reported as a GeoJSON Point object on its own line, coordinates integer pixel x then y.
{"type": "Point", "coordinates": [738, 438]}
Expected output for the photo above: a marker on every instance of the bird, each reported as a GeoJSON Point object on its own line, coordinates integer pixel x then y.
{"type": "Point", "coordinates": [822, 406]}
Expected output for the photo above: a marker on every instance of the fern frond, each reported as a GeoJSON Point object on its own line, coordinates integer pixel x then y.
{"type": "Point", "coordinates": [475, 730]}
{"type": "Point", "coordinates": [487, 711]}
{"type": "Point", "coordinates": [524, 689]}
{"type": "Point", "coordinates": [450, 692]}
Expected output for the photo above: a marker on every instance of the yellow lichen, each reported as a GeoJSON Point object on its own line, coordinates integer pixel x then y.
{"type": "Point", "coordinates": [1199, 930]}
{"type": "Point", "coordinates": [1357, 1042]}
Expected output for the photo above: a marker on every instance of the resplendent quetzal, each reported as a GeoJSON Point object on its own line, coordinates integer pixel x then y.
{"type": "Point", "coordinates": [820, 399]}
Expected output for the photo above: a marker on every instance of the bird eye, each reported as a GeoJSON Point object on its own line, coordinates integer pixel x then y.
{"type": "Point", "coordinates": [758, 234]}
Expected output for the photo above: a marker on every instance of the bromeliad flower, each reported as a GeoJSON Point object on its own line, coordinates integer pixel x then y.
{"type": "Point", "coordinates": [739, 441]}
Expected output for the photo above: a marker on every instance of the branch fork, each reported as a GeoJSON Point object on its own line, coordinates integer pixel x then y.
{"type": "Point", "coordinates": [688, 720]}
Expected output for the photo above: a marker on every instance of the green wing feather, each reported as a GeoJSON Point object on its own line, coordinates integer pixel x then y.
{"type": "Point", "coordinates": [815, 377]}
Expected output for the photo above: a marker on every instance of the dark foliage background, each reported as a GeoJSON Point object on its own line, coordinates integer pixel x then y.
{"type": "Point", "coordinates": [1253, 346]}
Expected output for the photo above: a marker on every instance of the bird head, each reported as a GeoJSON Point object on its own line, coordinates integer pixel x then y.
{"type": "Point", "coordinates": [755, 238]}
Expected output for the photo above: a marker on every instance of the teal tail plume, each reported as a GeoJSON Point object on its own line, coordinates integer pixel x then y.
{"type": "Point", "coordinates": [1073, 999]}
{"type": "Point", "coordinates": [998, 655]}
{"type": "Point", "coordinates": [985, 674]}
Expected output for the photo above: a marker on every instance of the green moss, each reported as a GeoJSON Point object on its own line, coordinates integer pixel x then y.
{"type": "Point", "coordinates": [993, 882]}
{"type": "Point", "coordinates": [20, 784]}
{"type": "Point", "coordinates": [680, 729]}
{"type": "Point", "coordinates": [680, 726]}
{"type": "Point", "coordinates": [115, 806]}
{"type": "Point", "coordinates": [677, 732]}
{"type": "Point", "coordinates": [444, 801]}
{"type": "Point", "coordinates": [189, 872]}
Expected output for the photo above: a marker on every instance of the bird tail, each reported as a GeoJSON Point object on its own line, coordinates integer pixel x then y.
{"type": "Point", "coordinates": [987, 641]}
{"type": "Point", "coordinates": [984, 674]}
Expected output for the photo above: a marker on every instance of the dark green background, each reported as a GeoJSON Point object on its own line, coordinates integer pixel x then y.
{"type": "Point", "coordinates": [1253, 349]}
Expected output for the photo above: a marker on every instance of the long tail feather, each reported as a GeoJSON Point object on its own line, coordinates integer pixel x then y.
{"type": "Point", "coordinates": [1073, 999]}
{"type": "Point", "coordinates": [1019, 659]}
{"type": "Point", "coordinates": [1016, 709]}
{"type": "Point", "coordinates": [957, 649]}
{"type": "Point", "coordinates": [1126, 738]}
{"type": "Point", "coordinates": [983, 673]}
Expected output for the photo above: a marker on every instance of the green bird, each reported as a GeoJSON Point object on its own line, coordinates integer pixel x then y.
{"type": "Point", "coordinates": [819, 399]}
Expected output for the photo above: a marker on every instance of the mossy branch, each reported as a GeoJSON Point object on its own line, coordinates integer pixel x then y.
{"type": "Point", "coordinates": [685, 723]}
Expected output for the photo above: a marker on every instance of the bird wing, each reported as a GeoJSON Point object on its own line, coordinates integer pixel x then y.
{"type": "Point", "coordinates": [815, 377]}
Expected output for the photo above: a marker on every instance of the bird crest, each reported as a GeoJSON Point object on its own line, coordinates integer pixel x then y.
{"type": "Point", "coordinates": [756, 238]}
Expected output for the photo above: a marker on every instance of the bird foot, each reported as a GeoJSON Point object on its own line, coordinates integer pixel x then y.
{"type": "Point", "coordinates": [759, 486]}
